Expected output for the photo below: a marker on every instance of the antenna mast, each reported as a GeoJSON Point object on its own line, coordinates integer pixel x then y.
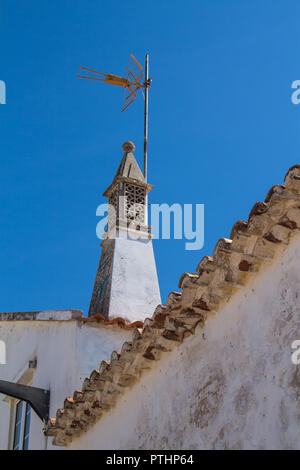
{"type": "Point", "coordinates": [146, 116]}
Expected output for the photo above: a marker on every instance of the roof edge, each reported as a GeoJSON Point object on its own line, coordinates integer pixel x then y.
{"type": "Point", "coordinates": [46, 315]}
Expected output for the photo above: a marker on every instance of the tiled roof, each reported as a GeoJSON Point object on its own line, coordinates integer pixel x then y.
{"type": "Point", "coordinates": [252, 245]}
{"type": "Point", "coordinates": [48, 315]}
{"type": "Point", "coordinates": [119, 321]}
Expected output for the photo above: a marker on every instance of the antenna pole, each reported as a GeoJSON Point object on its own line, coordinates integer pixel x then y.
{"type": "Point", "coordinates": [146, 116]}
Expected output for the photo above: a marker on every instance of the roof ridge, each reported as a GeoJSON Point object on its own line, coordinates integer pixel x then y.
{"type": "Point", "coordinates": [252, 244]}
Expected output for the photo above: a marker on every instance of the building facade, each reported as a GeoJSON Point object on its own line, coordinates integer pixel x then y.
{"type": "Point", "coordinates": [53, 352]}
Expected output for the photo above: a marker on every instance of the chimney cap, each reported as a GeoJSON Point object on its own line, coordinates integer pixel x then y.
{"type": "Point", "coordinates": [128, 147]}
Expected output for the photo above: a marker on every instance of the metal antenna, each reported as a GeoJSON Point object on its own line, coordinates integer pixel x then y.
{"type": "Point", "coordinates": [131, 84]}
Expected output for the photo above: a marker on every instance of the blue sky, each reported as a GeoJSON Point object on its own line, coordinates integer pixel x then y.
{"type": "Point", "coordinates": [222, 130]}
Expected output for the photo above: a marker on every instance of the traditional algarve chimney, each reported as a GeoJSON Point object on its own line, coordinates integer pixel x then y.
{"type": "Point", "coordinates": [126, 283]}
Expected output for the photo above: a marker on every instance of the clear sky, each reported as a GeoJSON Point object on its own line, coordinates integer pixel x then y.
{"type": "Point", "coordinates": [222, 129]}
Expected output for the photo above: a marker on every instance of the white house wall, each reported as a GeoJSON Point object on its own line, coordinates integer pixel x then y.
{"type": "Point", "coordinates": [66, 352]}
{"type": "Point", "coordinates": [135, 290]}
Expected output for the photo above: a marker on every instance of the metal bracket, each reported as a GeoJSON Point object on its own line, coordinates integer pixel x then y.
{"type": "Point", "coordinates": [38, 398]}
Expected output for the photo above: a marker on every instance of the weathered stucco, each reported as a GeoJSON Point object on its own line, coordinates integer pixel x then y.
{"type": "Point", "coordinates": [126, 282]}
{"type": "Point", "coordinates": [231, 385]}
{"type": "Point", "coordinates": [135, 289]}
{"type": "Point", "coordinates": [66, 350]}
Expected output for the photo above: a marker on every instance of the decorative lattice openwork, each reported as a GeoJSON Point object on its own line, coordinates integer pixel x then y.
{"type": "Point", "coordinates": [135, 198]}
{"type": "Point", "coordinates": [113, 208]}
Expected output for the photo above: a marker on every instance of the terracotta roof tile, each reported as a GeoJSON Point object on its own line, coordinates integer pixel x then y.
{"type": "Point", "coordinates": [252, 244]}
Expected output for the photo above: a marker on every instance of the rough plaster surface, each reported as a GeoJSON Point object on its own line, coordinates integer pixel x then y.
{"type": "Point", "coordinates": [101, 292]}
{"type": "Point", "coordinates": [126, 282]}
{"type": "Point", "coordinates": [230, 386]}
{"type": "Point", "coordinates": [66, 353]}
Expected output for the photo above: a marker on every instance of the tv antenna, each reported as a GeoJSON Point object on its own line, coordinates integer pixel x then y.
{"type": "Point", "coordinates": [131, 85]}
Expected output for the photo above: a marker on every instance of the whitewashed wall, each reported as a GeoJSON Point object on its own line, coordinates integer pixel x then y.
{"type": "Point", "coordinates": [230, 386]}
{"type": "Point", "coordinates": [66, 352]}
